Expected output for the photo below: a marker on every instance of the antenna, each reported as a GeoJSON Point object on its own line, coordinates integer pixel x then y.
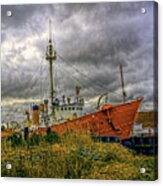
{"type": "Point", "coordinates": [122, 81]}
{"type": "Point", "coordinates": [50, 31]}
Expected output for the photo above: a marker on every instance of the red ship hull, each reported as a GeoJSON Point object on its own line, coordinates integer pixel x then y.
{"type": "Point", "coordinates": [115, 121]}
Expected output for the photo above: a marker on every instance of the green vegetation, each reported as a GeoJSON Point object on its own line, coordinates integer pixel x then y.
{"type": "Point", "coordinates": [17, 139]}
{"type": "Point", "coordinates": [73, 156]}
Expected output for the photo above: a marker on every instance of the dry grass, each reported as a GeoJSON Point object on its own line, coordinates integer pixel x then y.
{"type": "Point", "coordinates": [76, 157]}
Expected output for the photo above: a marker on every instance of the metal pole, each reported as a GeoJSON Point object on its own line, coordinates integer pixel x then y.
{"type": "Point", "coordinates": [122, 81]}
{"type": "Point", "coordinates": [51, 56]}
{"type": "Point", "coordinates": [51, 85]}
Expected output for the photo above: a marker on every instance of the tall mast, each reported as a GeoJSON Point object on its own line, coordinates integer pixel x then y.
{"type": "Point", "coordinates": [51, 56]}
{"type": "Point", "coordinates": [122, 81]}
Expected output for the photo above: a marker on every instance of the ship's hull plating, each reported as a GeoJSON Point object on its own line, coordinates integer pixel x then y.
{"type": "Point", "coordinates": [115, 121]}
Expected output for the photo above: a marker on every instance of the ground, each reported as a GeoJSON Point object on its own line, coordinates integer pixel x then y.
{"type": "Point", "coordinates": [76, 157]}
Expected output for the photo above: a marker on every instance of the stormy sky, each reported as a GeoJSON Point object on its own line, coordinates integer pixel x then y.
{"type": "Point", "coordinates": [91, 41]}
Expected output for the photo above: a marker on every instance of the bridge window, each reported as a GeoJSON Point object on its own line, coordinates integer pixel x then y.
{"type": "Point", "coordinates": [79, 108]}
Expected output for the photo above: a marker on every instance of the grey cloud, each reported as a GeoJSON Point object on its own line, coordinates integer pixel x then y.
{"type": "Point", "coordinates": [92, 38]}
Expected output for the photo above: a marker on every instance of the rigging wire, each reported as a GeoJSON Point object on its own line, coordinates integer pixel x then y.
{"type": "Point", "coordinates": [89, 80]}
{"type": "Point", "coordinates": [81, 83]}
{"type": "Point", "coordinates": [78, 80]}
{"type": "Point", "coordinates": [99, 84]}
{"type": "Point", "coordinates": [21, 86]}
{"type": "Point", "coordinates": [75, 78]}
{"type": "Point", "coordinates": [11, 110]}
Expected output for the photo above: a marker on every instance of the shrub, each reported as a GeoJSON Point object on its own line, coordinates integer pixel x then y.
{"type": "Point", "coordinates": [52, 137]}
{"type": "Point", "coordinates": [17, 140]}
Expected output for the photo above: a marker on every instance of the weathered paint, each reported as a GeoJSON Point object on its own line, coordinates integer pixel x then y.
{"type": "Point", "coordinates": [110, 121]}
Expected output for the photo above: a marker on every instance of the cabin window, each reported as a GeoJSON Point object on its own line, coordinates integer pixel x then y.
{"type": "Point", "coordinates": [69, 108]}
{"type": "Point", "coordinates": [65, 108]}
{"type": "Point", "coordinates": [73, 108]}
{"type": "Point", "coordinates": [61, 108]}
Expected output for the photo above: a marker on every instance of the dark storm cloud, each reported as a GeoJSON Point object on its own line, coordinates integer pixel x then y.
{"type": "Point", "coordinates": [21, 14]}
{"type": "Point", "coordinates": [91, 41]}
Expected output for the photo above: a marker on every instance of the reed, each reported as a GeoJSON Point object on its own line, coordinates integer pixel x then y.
{"type": "Point", "coordinates": [74, 156]}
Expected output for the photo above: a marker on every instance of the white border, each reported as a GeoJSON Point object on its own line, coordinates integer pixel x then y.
{"type": "Point", "coordinates": [61, 182]}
